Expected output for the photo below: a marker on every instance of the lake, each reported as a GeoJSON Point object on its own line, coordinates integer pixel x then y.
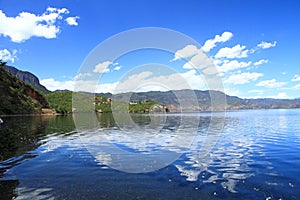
{"type": "Point", "coordinates": [247, 154]}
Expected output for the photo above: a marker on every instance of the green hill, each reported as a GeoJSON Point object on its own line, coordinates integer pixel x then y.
{"type": "Point", "coordinates": [17, 97]}
{"type": "Point", "coordinates": [28, 78]}
{"type": "Point", "coordinates": [60, 101]}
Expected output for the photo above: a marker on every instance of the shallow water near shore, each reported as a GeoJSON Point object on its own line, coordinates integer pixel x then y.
{"type": "Point", "coordinates": [253, 154]}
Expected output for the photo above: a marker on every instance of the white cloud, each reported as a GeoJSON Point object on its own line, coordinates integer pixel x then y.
{"type": "Point", "coordinates": [243, 78]}
{"type": "Point", "coordinates": [149, 81]}
{"type": "Point", "coordinates": [102, 67]}
{"type": "Point", "coordinates": [72, 21]}
{"type": "Point", "coordinates": [27, 25]}
{"type": "Point", "coordinates": [219, 62]}
{"type": "Point", "coordinates": [256, 91]}
{"type": "Point", "coordinates": [280, 95]}
{"type": "Point", "coordinates": [6, 55]}
{"type": "Point", "coordinates": [266, 45]}
{"type": "Point", "coordinates": [53, 84]}
{"type": "Point", "coordinates": [211, 43]}
{"type": "Point", "coordinates": [271, 84]}
{"type": "Point", "coordinates": [77, 84]}
{"type": "Point", "coordinates": [237, 51]}
{"type": "Point", "coordinates": [211, 71]}
{"type": "Point", "coordinates": [260, 62]}
{"type": "Point", "coordinates": [232, 65]}
{"type": "Point", "coordinates": [296, 78]}
{"type": "Point", "coordinates": [186, 52]}
{"type": "Point", "coordinates": [106, 87]}
{"type": "Point", "coordinates": [198, 61]}
{"type": "Point", "coordinates": [296, 87]}
{"type": "Point", "coordinates": [82, 76]}
{"type": "Point", "coordinates": [140, 82]}
{"type": "Point", "coordinates": [58, 10]}
{"type": "Point", "coordinates": [232, 92]}
{"type": "Point", "coordinates": [188, 65]}
{"type": "Point", "coordinates": [117, 68]}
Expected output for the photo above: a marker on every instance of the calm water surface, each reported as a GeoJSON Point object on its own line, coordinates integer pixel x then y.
{"type": "Point", "coordinates": [251, 154]}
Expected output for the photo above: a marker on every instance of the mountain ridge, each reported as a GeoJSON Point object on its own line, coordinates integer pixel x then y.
{"type": "Point", "coordinates": [18, 97]}
{"type": "Point", "coordinates": [27, 77]}
{"type": "Point", "coordinates": [204, 98]}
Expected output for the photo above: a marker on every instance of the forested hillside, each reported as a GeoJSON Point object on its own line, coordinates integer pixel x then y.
{"type": "Point", "coordinates": [17, 97]}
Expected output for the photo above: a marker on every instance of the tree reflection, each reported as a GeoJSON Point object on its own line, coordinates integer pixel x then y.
{"type": "Point", "coordinates": [7, 189]}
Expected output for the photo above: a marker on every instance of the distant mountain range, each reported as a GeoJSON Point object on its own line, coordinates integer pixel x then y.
{"type": "Point", "coordinates": [204, 100]}
{"type": "Point", "coordinates": [169, 98]}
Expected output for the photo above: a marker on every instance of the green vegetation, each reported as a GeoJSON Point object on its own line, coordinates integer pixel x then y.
{"type": "Point", "coordinates": [60, 101]}
{"type": "Point", "coordinates": [102, 104]}
{"type": "Point", "coordinates": [17, 97]}
{"type": "Point", "coordinates": [85, 102]}
{"type": "Point", "coordinates": [146, 107]}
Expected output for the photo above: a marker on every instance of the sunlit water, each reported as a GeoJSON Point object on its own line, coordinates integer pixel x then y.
{"type": "Point", "coordinates": [251, 154]}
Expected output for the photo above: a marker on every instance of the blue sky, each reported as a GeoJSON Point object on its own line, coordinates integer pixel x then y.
{"type": "Point", "coordinates": [254, 44]}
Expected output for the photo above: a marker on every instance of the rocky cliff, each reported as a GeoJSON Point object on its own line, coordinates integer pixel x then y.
{"type": "Point", "coordinates": [17, 97]}
{"type": "Point", "coordinates": [27, 77]}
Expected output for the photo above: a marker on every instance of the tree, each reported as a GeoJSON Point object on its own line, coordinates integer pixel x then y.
{"type": "Point", "coordinates": [2, 64]}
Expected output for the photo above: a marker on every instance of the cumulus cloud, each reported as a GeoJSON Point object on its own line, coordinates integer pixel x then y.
{"type": "Point", "coordinates": [6, 55]}
{"type": "Point", "coordinates": [102, 67]}
{"type": "Point", "coordinates": [80, 82]}
{"type": "Point", "coordinates": [72, 21]}
{"type": "Point", "coordinates": [152, 81]}
{"type": "Point", "coordinates": [243, 78]}
{"type": "Point", "coordinates": [296, 87]}
{"type": "Point", "coordinates": [266, 45]}
{"type": "Point", "coordinates": [271, 84]}
{"type": "Point", "coordinates": [211, 43]}
{"type": "Point", "coordinates": [232, 65]}
{"type": "Point", "coordinates": [256, 91]}
{"type": "Point", "coordinates": [81, 76]}
{"type": "Point", "coordinates": [260, 62]}
{"type": "Point", "coordinates": [27, 25]}
{"type": "Point", "coordinates": [198, 61]}
{"type": "Point", "coordinates": [52, 84]}
{"type": "Point", "coordinates": [186, 52]}
{"type": "Point", "coordinates": [117, 68]}
{"type": "Point", "coordinates": [237, 51]}
{"type": "Point", "coordinates": [280, 95]}
{"type": "Point", "coordinates": [183, 81]}
{"type": "Point", "coordinates": [296, 78]}
{"type": "Point", "coordinates": [210, 71]}
{"type": "Point", "coordinates": [138, 82]}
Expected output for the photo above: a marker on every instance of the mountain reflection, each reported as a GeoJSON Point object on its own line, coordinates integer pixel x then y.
{"type": "Point", "coordinates": [208, 154]}
{"type": "Point", "coordinates": [19, 137]}
{"type": "Point", "coordinates": [194, 148]}
{"type": "Point", "coordinates": [21, 134]}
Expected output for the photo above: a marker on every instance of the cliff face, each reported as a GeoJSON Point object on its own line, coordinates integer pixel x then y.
{"type": "Point", "coordinates": [27, 77]}
{"type": "Point", "coordinates": [17, 97]}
